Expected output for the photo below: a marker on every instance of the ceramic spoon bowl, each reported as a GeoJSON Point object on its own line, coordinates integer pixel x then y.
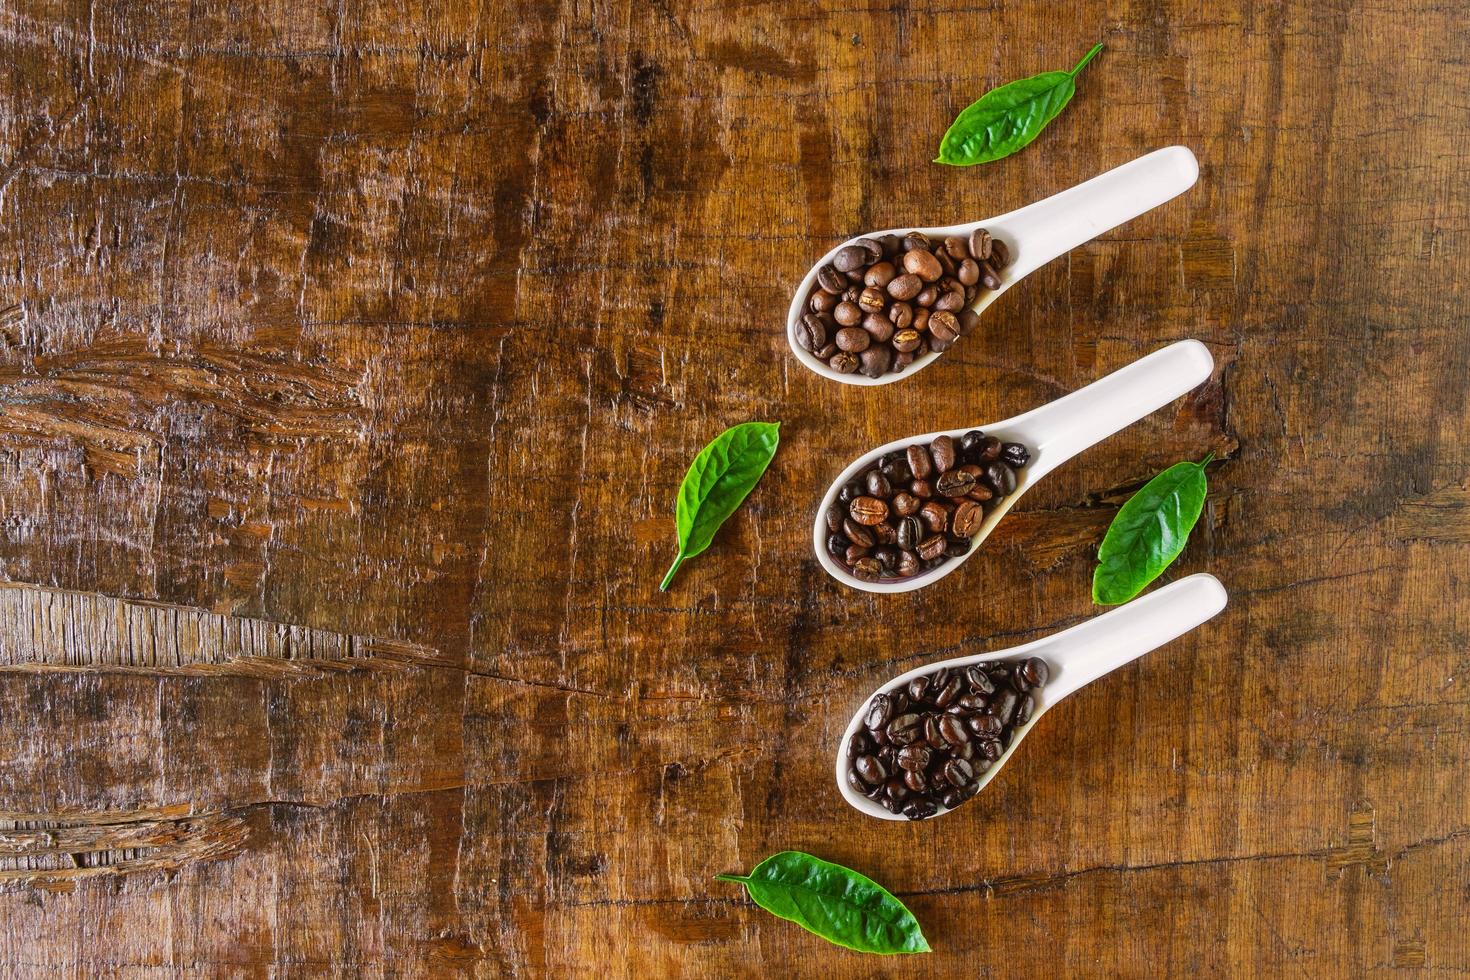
{"type": "Point", "coordinates": [1074, 657]}
{"type": "Point", "coordinates": [1035, 235]}
{"type": "Point", "coordinates": [1054, 433]}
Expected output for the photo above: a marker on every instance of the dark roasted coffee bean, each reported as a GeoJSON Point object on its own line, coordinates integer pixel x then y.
{"type": "Point", "coordinates": [922, 489]}
{"type": "Point", "coordinates": [955, 483]}
{"type": "Point", "coordinates": [955, 547]}
{"type": "Point", "coordinates": [931, 547]}
{"type": "Point", "coordinates": [918, 688]}
{"type": "Point", "coordinates": [867, 570]}
{"type": "Point", "coordinates": [905, 503]}
{"type": "Point", "coordinates": [920, 809]}
{"type": "Point", "coordinates": [855, 783]}
{"type": "Point", "coordinates": [851, 490]}
{"type": "Point", "coordinates": [858, 745]}
{"type": "Point", "coordinates": [970, 444]}
{"type": "Point", "coordinates": [905, 729]}
{"type": "Point", "coordinates": [934, 516]}
{"type": "Point", "coordinates": [867, 510]}
{"type": "Point", "coordinates": [905, 287]}
{"type": "Point", "coordinates": [877, 484]}
{"type": "Point", "coordinates": [843, 362]}
{"type": "Point", "coordinates": [954, 686]}
{"type": "Point", "coordinates": [991, 750]}
{"type": "Point", "coordinates": [872, 300]}
{"type": "Point", "coordinates": [908, 564]}
{"type": "Point", "coordinates": [906, 341]}
{"type": "Point", "coordinates": [857, 533]}
{"type": "Point", "coordinates": [915, 781]}
{"type": "Point", "coordinates": [835, 516]}
{"type": "Point", "coordinates": [847, 314]}
{"type": "Point", "coordinates": [980, 681]}
{"type": "Point", "coordinates": [1004, 705]}
{"type": "Point", "coordinates": [855, 553]}
{"type": "Point", "coordinates": [953, 730]}
{"type": "Point", "coordinates": [879, 327]}
{"type": "Point", "coordinates": [970, 702]}
{"type": "Point", "coordinates": [1015, 455]}
{"type": "Point", "coordinates": [922, 263]}
{"type": "Point", "coordinates": [981, 244]}
{"type": "Point", "coordinates": [831, 280]}
{"type": "Point", "coordinates": [1024, 710]}
{"type": "Point", "coordinates": [967, 519]}
{"type": "Point", "coordinates": [953, 799]}
{"type": "Point", "coordinates": [920, 463]}
{"type": "Point", "coordinates": [887, 556]}
{"type": "Point", "coordinates": [914, 758]}
{"type": "Point", "coordinates": [984, 725]}
{"type": "Point", "coordinates": [932, 734]}
{"type": "Point", "coordinates": [877, 794]}
{"type": "Point", "coordinates": [942, 451]}
{"type": "Point", "coordinates": [885, 534]}
{"type": "Point", "coordinates": [1000, 478]}
{"type": "Point", "coordinates": [958, 773]}
{"type": "Point", "coordinates": [1000, 256]}
{"type": "Point", "coordinates": [850, 258]}
{"type": "Point", "coordinates": [895, 790]}
{"type": "Point", "coordinates": [880, 275]}
{"type": "Point", "coordinates": [901, 702]}
{"type": "Point", "coordinates": [870, 769]}
{"type": "Point", "coordinates": [897, 471]}
{"type": "Point", "coordinates": [811, 332]}
{"type": "Point", "coordinates": [876, 360]}
{"type": "Point", "coordinates": [854, 340]}
{"type": "Point", "coordinates": [892, 245]}
{"type": "Point", "coordinates": [910, 532]}
{"type": "Point", "coordinates": [837, 546]}
{"type": "Point", "coordinates": [1033, 672]}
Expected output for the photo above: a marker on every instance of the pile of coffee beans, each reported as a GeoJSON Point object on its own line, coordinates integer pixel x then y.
{"type": "Point", "coordinates": [926, 744]}
{"type": "Point", "coordinates": [883, 302]}
{"type": "Point", "coordinates": [916, 508]}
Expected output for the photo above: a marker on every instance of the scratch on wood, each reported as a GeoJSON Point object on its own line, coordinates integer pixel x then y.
{"type": "Point", "coordinates": [44, 629]}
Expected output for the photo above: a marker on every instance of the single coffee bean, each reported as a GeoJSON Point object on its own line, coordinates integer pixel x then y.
{"type": "Point", "coordinates": [922, 489]}
{"type": "Point", "coordinates": [870, 769]}
{"type": "Point", "coordinates": [904, 730]}
{"type": "Point", "coordinates": [886, 554]}
{"type": "Point", "coordinates": [905, 287]}
{"type": "Point", "coordinates": [921, 322]}
{"type": "Point", "coordinates": [981, 244]}
{"type": "Point", "coordinates": [822, 301]}
{"type": "Point", "coordinates": [908, 564]}
{"type": "Point", "coordinates": [950, 301]}
{"type": "Point", "coordinates": [920, 809]}
{"type": "Point", "coordinates": [843, 362]}
{"type": "Point", "coordinates": [910, 533]}
{"type": "Point", "coordinates": [906, 341]}
{"type": "Point", "coordinates": [859, 744]}
{"type": "Point", "coordinates": [867, 510]}
{"type": "Point", "coordinates": [854, 554]}
{"type": "Point", "coordinates": [872, 300]}
{"type": "Point", "coordinates": [935, 517]}
{"type": "Point", "coordinates": [927, 296]}
{"type": "Point", "coordinates": [920, 462]}
{"type": "Point", "coordinates": [989, 278]}
{"type": "Point", "coordinates": [851, 294]}
{"type": "Point", "coordinates": [872, 247]}
{"type": "Point", "coordinates": [952, 799]}
{"type": "Point", "coordinates": [837, 546]}
{"type": "Point", "coordinates": [955, 246]}
{"type": "Point", "coordinates": [954, 483]}
{"type": "Point", "coordinates": [867, 570]}
{"type": "Point", "coordinates": [969, 444]}
{"type": "Point", "coordinates": [905, 503]}
{"type": "Point", "coordinates": [980, 681]}
{"type": "Point", "coordinates": [939, 345]}
{"type": "Point", "coordinates": [880, 711]}
{"type": "Point", "coordinates": [1000, 256]}
{"type": "Point", "coordinates": [956, 547]}
{"type": "Point", "coordinates": [811, 332]}
{"type": "Point", "coordinates": [915, 781]}
{"type": "Point", "coordinates": [969, 320]}
{"type": "Point", "coordinates": [915, 239]}
{"type": "Point", "coordinates": [958, 773]}
{"type": "Point", "coordinates": [942, 451]}
{"type": "Point", "coordinates": [897, 470]}
{"type": "Point", "coordinates": [848, 314]}
{"type": "Point", "coordinates": [1024, 709]}
{"type": "Point", "coordinates": [943, 325]}
{"type": "Point", "coordinates": [1001, 478]}
{"type": "Point", "coordinates": [855, 782]}
{"type": "Point", "coordinates": [984, 725]}
{"type": "Point", "coordinates": [857, 533]}
{"type": "Point", "coordinates": [877, 484]}
{"type": "Point", "coordinates": [854, 340]}
{"type": "Point", "coordinates": [1015, 455]}
{"type": "Point", "coordinates": [1004, 705]}
{"type": "Point", "coordinates": [850, 258]}
{"type": "Point", "coordinates": [922, 263]}
{"type": "Point", "coordinates": [914, 758]}
{"type": "Point", "coordinates": [835, 516]}
{"type": "Point", "coordinates": [895, 790]}
{"type": "Point", "coordinates": [831, 280]}
{"type": "Point", "coordinates": [932, 734]}
{"type": "Point", "coordinates": [825, 354]}
{"type": "Point", "coordinates": [851, 490]}
{"type": "Point", "coordinates": [969, 272]}
{"type": "Point", "coordinates": [991, 750]}
{"type": "Point", "coordinates": [967, 519]}
{"type": "Point", "coordinates": [918, 688]}
{"type": "Point", "coordinates": [879, 327]}
{"type": "Point", "coordinates": [945, 262]}
{"type": "Point", "coordinates": [885, 533]}
{"type": "Point", "coordinates": [892, 245]}
{"type": "Point", "coordinates": [879, 274]}
{"type": "Point", "coordinates": [950, 692]}
{"type": "Point", "coordinates": [931, 547]}
{"type": "Point", "coordinates": [969, 703]}
{"type": "Point", "coordinates": [1034, 672]}
{"type": "Point", "coordinates": [902, 315]}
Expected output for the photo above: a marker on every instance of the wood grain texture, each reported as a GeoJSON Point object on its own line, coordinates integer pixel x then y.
{"type": "Point", "coordinates": [401, 323]}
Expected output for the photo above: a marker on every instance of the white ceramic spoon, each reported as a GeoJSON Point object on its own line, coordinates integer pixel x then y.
{"type": "Point", "coordinates": [1054, 433]}
{"type": "Point", "coordinates": [1035, 235]}
{"type": "Point", "coordinates": [1074, 658]}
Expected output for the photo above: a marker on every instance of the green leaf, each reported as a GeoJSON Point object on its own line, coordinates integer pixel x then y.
{"type": "Point", "coordinates": [719, 479]}
{"type": "Point", "coordinates": [836, 903]}
{"type": "Point", "coordinates": [1148, 532]}
{"type": "Point", "coordinates": [1005, 119]}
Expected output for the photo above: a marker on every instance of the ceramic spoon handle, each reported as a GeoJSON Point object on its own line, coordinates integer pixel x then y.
{"type": "Point", "coordinates": [1049, 228]}
{"type": "Point", "coordinates": [1070, 424]}
{"type": "Point", "coordinates": [1092, 649]}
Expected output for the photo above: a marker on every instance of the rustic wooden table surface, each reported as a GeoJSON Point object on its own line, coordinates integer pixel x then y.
{"type": "Point", "coordinates": [349, 362]}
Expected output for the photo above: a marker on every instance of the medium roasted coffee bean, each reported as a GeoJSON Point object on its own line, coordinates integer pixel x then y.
{"type": "Point", "coordinates": [870, 769]}
{"type": "Point", "coordinates": [969, 320]}
{"type": "Point", "coordinates": [872, 300]}
{"type": "Point", "coordinates": [879, 327]}
{"type": "Point", "coordinates": [1015, 455]}
{"type": "Point", "coordinates": [942, 451]}
{"type": "Point", "coordinates": [921, 322]}
{"type": "Point", "coordinates": [922, 263]}
{"type": "Point", "coordinates": [989, 278]}
{"type": "Point", "coordinates": [892, 245]}
{"type": "Point", "coordinates": [831, 280]}
{"type": "Point", "coordinates": [857, 533]}
{"type": "Point", "coordinates": [915, 239]}
{"type": "Point", "coordinates": [927, 296]}
{"type": "Point", "coordinates": [939, 345]}
{"type": "Point", "coordinates": [867, 510]}
{"type": "Point", "coordinates": [837, 546]}
{"type": "Point", "coordinates": [935, 517]}
{"type": "Point", "coordinates": [955, 483]}
{"type": "Point", "coordinates": [922, 489]}
{"type": "Point", "coordinates": [854, 340]}
{"type": "Point", "coordinates": [906, 341]}
{"type": "Point", "coordinates": [851, 294]}
{"type": "Point", "coordinates": [968, 272]}
{"type": "Point", "coordinates": [1000, 256]}
{"type": "Point", "coordinates": [1001, 478]}
{"type": "Point", "coordinates": [955, 246]}
{"type": "Point", "coordinates": [847, 314]}
{"type": "Point", "coordinates": [905, 287]}
{"type": "Point", "coordinates": [981, 244]}
{"type": "Point", "coordinates": [931, 547]}
{"type": "Point", "coordinates": [879, 274]}
{"type": "Point", "coordinates": [920, 462]}
{"type": "Point", "coordinates": [843, 362]}
{"type": "Point", "coordinates": [908, 564]}
{"type": "Point", "coordinates": [920, 809]}
{"type": "Point", "coordinates": [850, 258]}
{"type": "Point", "coordinates": [871, 246]}
{"type": "Point", "coordinates": [867, 570]}
{"type": "Point", "coordinates": [910, 533]}
{"type": "Point", "coordinates": [945, 262]}
{"type": "Point", "coordinates": [980, 681]}
{"type": "Point", "coordinates": [905, 503]}
{"type": "Point", "coordinates": [876, 360]}
{"type": "Point", "coordinates": [967, 519]}
{"type": "Point", "coordinates": [811, 332]}
{"type": "Point", "coordinates": [877, 484]}
{"type": "Point", "coordinates": [950, 301]}
{"type": "Point", "coordinates": [914, 758]}
{"type": "Point", "coordinates": [1033, 673]}
{"type": "Point", "coordinates": [822, 301]}
{"type": "Point", "coordinates": [902, 315]}
{"type": "Point", "coordinates": [825, 354]}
